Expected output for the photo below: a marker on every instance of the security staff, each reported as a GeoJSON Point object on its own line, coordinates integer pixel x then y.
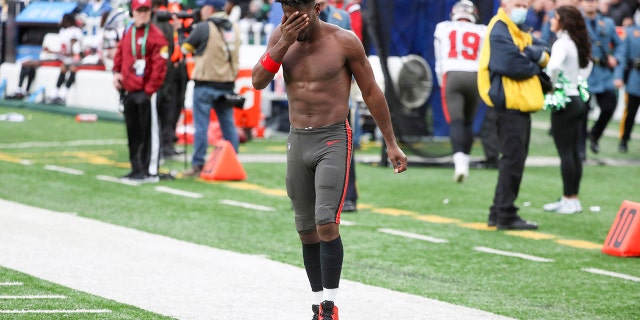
{"type": "Point", "coordinates": [606, 51]}
{"type": "Point", "coordinates": [139, 69]}
{"type": "Point", "coordinates": [632, 61]}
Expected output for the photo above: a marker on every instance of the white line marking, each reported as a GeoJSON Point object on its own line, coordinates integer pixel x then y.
{"type": "Point", "coordinates": [246, 205]}
{"type": "Point", "coordinates": [117, 180]}
{"type": "Point", "coordinates": [10, 283]}
{"type": "Point", "coordinates": [55, 311]}
{"type": "Point", "coordinates": [34, 297]}
{"type": "Point", "coordinates": [179, 192]}
{"type": "Point", "coordinates": [107, 249]}
{"type": "Point", "coordinates": [347, 223]}
{"type": "Point", "coordinates": [413, 235]}
{"type": "Point", "coordinates": [612, 274]}
{"type": "Point", "coordinates": [24, 145]}
{"type": "Point", "coordinates": [512, 254]}
{"type": "Point", "coordinates": [25, 162]}
{"type": "Point", "coordinates": [64, 170]}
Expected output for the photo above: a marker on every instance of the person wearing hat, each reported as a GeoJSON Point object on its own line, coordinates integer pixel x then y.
{"type": "Point", "coordinates": [139, 70]}
{"type": "Point", "coordinates": [215, 43]}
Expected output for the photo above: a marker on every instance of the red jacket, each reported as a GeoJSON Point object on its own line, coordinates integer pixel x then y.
{"type": "Point", "coordinates": [156, 63]}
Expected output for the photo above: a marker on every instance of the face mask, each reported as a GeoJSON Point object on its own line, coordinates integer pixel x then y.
{"type": "Point", "coordinates": [518, 15]}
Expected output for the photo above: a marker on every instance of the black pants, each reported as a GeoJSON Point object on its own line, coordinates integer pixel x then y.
{"type": "Point", "coordinates": [170, 101]}
{"type": "Point", "coordinates": [607, 101]}
{"type": "Point", "coordinates": [489, 135]}
{"type": "Point", "coordinates": [29, 73]}
{"type": "Point", "coordinates": [514, 132]}
{"type": "Point", "coordinates": [565, 126]}
{"type": "Point", "coordinates": [352, 191]}
{"type": "Point", "coordinates": [140, 116]}
{"type": "Point", "coordinates": [628, 119]}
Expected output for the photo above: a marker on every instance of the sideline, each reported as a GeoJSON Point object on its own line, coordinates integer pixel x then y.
{"type": "Point", "coordinates": [181, 279]}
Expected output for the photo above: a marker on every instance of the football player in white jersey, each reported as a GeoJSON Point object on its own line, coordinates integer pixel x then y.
{"type": "Point", "coordinates": [457, 46]}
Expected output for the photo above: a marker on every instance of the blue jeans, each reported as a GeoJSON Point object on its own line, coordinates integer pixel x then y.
{"type": "Point", "coordinates": [203, 100]}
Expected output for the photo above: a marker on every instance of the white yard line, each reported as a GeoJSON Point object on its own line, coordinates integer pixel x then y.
{"type": "Point", "coordinates": [413, 235]}
{"type": "Point", "coordinates": [246, 205]}
{"type": "Point", "coordinates": [512, 254]}
{"type": "Point", "coordinates": [347, 223]}
{"type": "Point", "coordinates": [117, 180]}
{"type": "Point", "coordinates": [54, 311]}
{"type": "Point", "coordinates": [34, 144]}
{"type": "Point", "coordinates": [32, 297]}
{"type": "Point", "coordinates": [185, 280]}
{"type": "Point", "coordinates": [612, 274]}
{"type": "Point", "coordinates": [10, 284]}
{"type": "Point", "coordinates": [63, 170]}
{"type": "Point", "coordinates": [177, 192]}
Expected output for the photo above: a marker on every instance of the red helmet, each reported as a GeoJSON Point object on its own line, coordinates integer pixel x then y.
{"type": "Point", "coordinates": [464, 9]}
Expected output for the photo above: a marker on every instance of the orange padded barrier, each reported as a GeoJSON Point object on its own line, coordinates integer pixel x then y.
{"type": "Point", "coordinates": [623, 239]}
{"type": "Point", "coordinates": [223, 164]}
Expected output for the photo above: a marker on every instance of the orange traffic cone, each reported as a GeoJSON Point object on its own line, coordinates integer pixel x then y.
{"type": "Point", "coordinates": [223, 164]}
{"type": "Point", "coordinates": [623, 239]}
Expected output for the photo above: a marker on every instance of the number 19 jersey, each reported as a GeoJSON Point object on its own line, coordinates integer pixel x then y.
{"type": "Point", "coordinates": [457, 46]}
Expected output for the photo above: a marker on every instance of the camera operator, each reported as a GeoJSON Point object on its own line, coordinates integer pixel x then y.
{"type": "Point", "coordinates": [174, 13]}
{"type": "Point", "coordinates": [215, 43]}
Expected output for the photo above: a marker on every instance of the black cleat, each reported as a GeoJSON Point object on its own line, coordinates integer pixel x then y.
{"type": "Point", "coordinates": [328, 311]}
{"type": "Point", "coordinates": [517, 224]}
{"type": "Point", "coordinates": [623, 147]}
{"type": "Point", "coordinates": [593, 145]}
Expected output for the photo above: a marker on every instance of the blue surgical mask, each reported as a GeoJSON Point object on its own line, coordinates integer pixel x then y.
{"type": "Point", "coordinates": [518, 15]}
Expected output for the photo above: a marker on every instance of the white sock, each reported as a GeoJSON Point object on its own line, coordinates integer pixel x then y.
{"type": "Point", "coordinates": [53, 94]}
{"type": "Point", "coordinates": [330, 294]}
{"type": "Point", "coordinates": [317, 297]}
{"type": "Point", "coordinates": [62, 93]}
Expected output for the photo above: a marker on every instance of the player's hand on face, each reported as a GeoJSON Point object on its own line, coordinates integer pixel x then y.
{"type": "Point", "coordinates": [292, 25]}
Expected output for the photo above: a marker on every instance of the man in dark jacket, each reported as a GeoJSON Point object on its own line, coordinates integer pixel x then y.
{"type": "Point", "coordinates": [510, 61]}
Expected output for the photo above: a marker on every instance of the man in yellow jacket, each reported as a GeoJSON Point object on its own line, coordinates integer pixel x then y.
{"type": "Point", "coordinates": [509, 65]}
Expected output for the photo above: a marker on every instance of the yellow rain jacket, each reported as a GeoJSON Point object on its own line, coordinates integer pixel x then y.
{"type": "Point", "coordinates": [509, 65]}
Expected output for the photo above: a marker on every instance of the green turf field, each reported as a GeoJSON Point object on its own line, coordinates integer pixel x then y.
{"type": "Point", "coordinates": [423, 201]}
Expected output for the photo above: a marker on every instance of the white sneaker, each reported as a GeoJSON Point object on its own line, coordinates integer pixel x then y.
{"type": "Point", "coordinates": [553, 206]}
{"type": "Point", "coordinates": [577, 205]}
{"type": "Point", "coordinates": [568, 206]}
{"type": "Point", "coordinates": [461, 164]}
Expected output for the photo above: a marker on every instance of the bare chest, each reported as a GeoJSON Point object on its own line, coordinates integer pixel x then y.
{"type": "Point", "coordinates": [314, 63]}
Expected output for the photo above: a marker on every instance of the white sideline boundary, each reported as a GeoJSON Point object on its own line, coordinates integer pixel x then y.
{"type": "Point", "coordinates": [185, 280]}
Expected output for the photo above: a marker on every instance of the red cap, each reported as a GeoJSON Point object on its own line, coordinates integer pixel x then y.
{"type": "Point", "coordinates": [137, 4]}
